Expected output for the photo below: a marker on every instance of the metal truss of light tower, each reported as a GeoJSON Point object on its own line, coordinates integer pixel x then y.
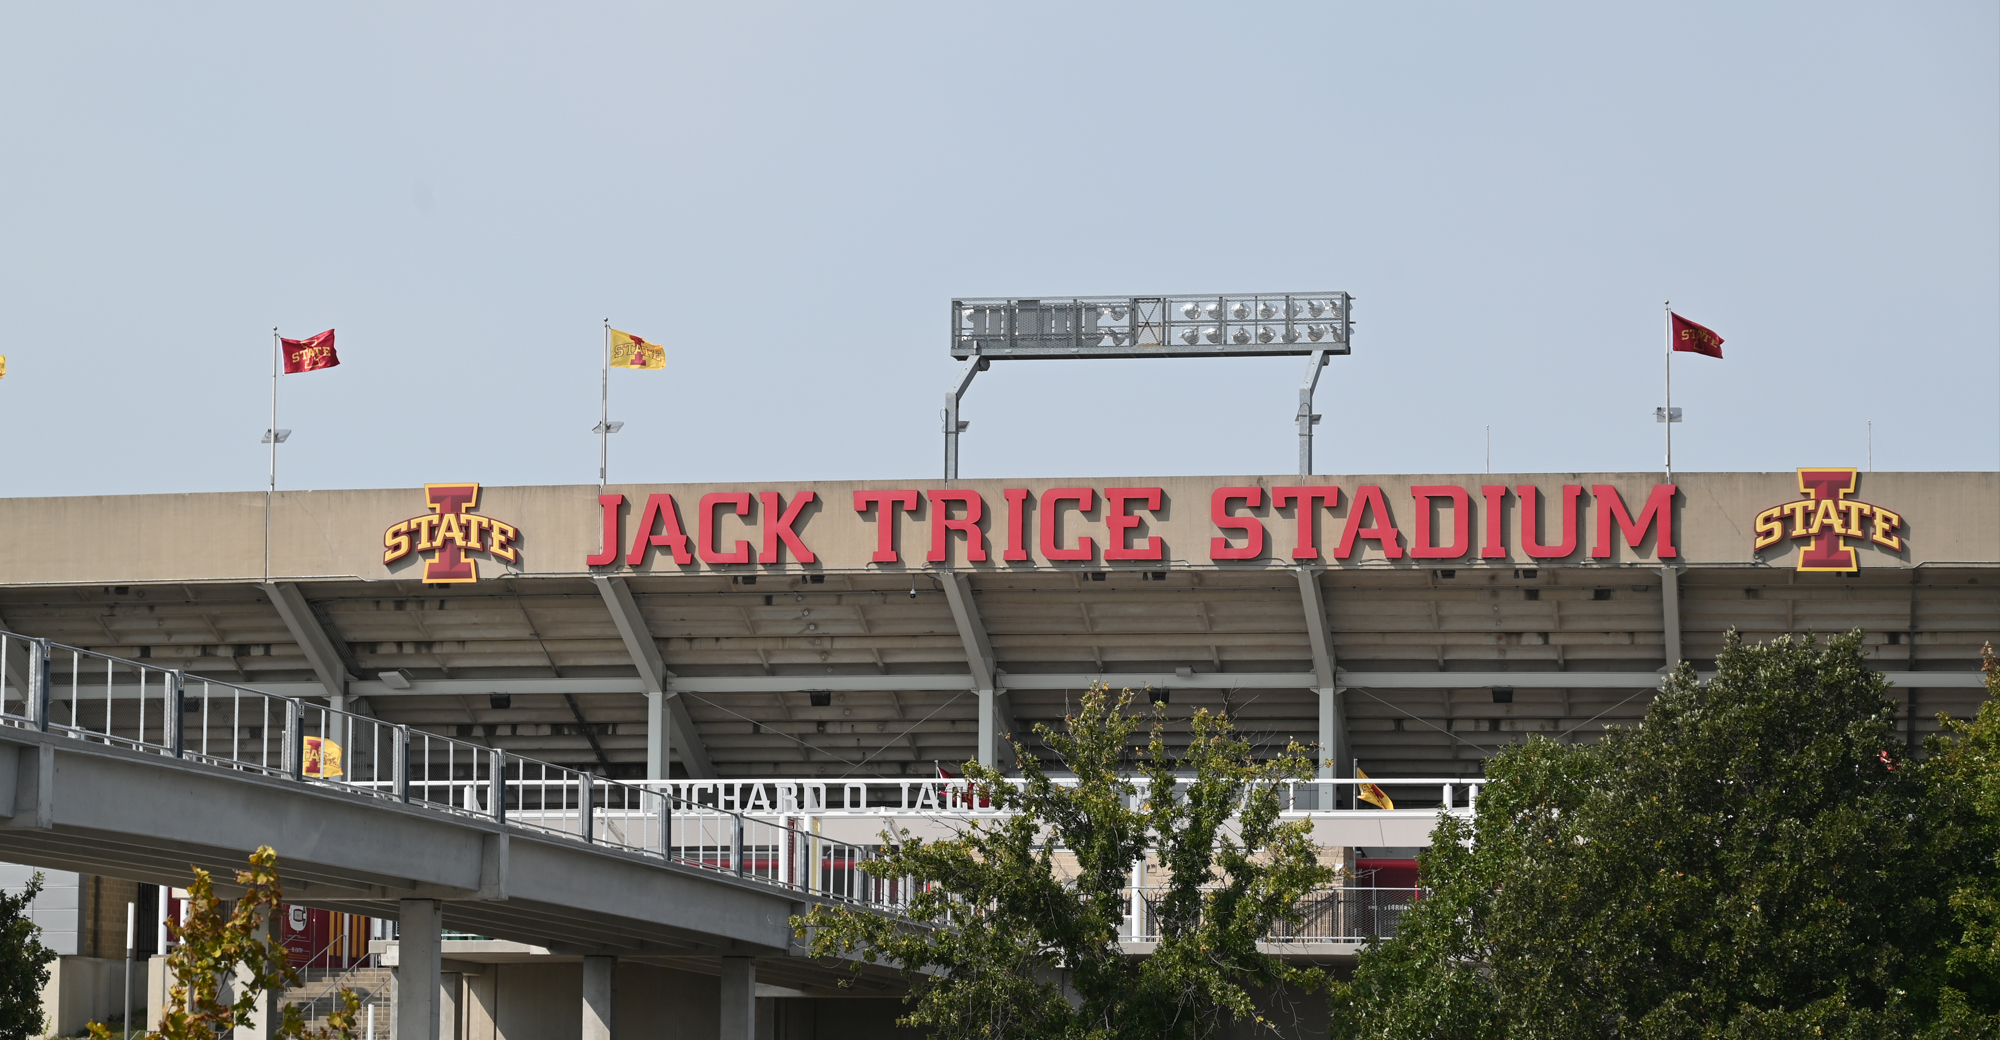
{"type": "Point", "coordinates": [1317, 324]}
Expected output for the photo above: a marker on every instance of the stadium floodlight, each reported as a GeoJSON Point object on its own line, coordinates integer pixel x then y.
{"type": "Point", "coordinates": [1316, 324]}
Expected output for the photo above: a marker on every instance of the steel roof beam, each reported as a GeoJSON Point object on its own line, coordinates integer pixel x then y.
{"type": "Point", "coordinates": [1334, 753]}
{"type": "Point", "coordinates": [666, 714]}
{"type": "Point", "coordinates": [321, 650]}
{"type": "Point", "coordinates": [996, 715]}
{"type": "Point", "coordinates": [731, 684]}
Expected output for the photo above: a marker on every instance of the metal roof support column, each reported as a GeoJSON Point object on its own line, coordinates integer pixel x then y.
{"type": "Point", "coordinates": [1670, 611]}
{"type": "Point", "coordinates": [321, 649]}
{"type": "Point", "coordinates": [666, 714]}
{"type": "Point", "coordinates": [996, 716]}
{"type": "Point", "coordinates": [1333, 754]}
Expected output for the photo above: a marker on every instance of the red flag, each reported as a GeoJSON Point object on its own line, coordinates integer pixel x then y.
{"type": "Point", "coordinates": [311, 353]}
{"type": "Point", "coordinates": [1687, 336]}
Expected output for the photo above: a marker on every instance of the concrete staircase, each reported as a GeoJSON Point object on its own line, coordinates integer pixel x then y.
{"type": "Point", "coordinates": [319, 994]}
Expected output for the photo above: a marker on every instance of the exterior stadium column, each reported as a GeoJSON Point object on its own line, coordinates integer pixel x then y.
{"type": "Point", "coordinates": [996, 715]}
{"type": "Point", "coordinates": [418, 967]}
{"type": "Point", "coordinates": [1333, 754]}
{"type": "Point", "coordinates": [739, 998]}
{"type": "Point", "coordinates": [666, 714]}
{"type": "Point", "coordinates": [1670, 613]}
{"type": "Point", "coordinates": [600, 996]}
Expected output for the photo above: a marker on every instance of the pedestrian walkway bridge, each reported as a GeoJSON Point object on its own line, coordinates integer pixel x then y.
{"type": "Point", "coordinates": [122, 768]}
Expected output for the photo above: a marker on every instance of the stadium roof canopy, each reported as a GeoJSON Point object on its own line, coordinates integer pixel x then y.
{"type": "Point", "coordinates": [874, 658]}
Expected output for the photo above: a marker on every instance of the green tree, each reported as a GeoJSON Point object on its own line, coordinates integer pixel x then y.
{"type": "Point", "coordinates": [227, 957]}
{"type": "Point", "coordinates": [1751, 861]}
{"type": "Point", "coordinates": [1006, 938]}
{"type": "Point", "coordinates": [24, 965]}
{"type": "Point", "coordinates": [1961, 777]}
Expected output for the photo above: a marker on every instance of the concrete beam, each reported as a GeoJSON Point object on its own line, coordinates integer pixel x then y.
{"type": "Point", "coordinates": [728, 684]}
{"type": "Point", "coordinates": [996, 714]}
{"type": "Point", "coordinates": [667, 715]}
{"type": "Point", "coordinates": [319, 646]}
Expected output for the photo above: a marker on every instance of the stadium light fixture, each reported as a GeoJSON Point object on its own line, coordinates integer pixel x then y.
{"type": "Point", "coordinates": [1315, 324]}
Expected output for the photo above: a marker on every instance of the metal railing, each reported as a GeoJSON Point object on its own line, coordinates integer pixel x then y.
{"type": "Point", "coordinates": [97, 698]}
{"type": "Point", "coordinates": [956, 797]}
{"type": "Point", "coordinates": [1329, 915]}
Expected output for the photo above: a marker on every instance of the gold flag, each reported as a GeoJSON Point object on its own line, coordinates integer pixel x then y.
{"type": "Point", "coordinates": [3, 366]}
{"type": "Point", "coordinates": [629, 351]}
{"type": "Point", "coordinates": [1372, 794]}
{"type": "Point", "coordinates": [322, 758]}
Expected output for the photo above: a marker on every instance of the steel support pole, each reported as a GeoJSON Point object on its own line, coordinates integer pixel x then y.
{"type": "Point", "coordinates": [1670, 613]}
{"type": "Point", "coordinates": [39, 678]}
{"type": "Point", "coordinates": [952, 426]}
{"type": "Point", "coordinates": [177, 707]}
{"type": "Point", "coordinates": [1307, 418]}
{"type": "Point", "coordinates": [402, 765]}
{"type": "Point", "coordinates": [496, 787]}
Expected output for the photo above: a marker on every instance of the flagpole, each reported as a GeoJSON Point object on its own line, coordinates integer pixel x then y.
{"type": "Point", "coordinates": [271, 488]}
{"type": "Point", "coordinates": [604, 413]}
{"type": "Point", "coordinates": [1668, 318]}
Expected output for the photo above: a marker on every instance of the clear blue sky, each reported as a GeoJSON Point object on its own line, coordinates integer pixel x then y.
{"type": "Point", "coordinates": [789, 195]}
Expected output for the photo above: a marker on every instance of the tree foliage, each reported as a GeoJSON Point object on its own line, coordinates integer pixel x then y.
{"type": "Point", "coordinates": [24, 965]}
{"type": "Point", "coordinates": [1962, 777]}
{"type": "Point", "coordinates": [226, 957]}
{"type": "Point", "coordinates": [1750, 861]}
{"type": "Point", "coordinates": [1008, 938]}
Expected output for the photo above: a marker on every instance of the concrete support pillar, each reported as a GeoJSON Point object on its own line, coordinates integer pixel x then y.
{"type": "Point", "coordinates": [1670, 612]}
{"type": "Point", "coordinates": [739, 998]}
{"type": "Point", "coordinates": [418, 954]}
{"type": "Point", "coordinates": [450, 985]}
{"type": "Point", "coordinates": [659, 738]}
{"type": "Point", "coordinates": [600, 996]}
{"type": "Point", "coordinates": [481, 1005]}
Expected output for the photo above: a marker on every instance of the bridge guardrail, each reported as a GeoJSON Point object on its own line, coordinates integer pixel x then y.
{"type": "Point", "coordinates": [1327, 915]}
{"type": "Point", "coordinates": [98, 698]}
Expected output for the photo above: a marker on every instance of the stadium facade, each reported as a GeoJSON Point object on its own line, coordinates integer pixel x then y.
{"type": "Point", "coordinates": [774, 647]}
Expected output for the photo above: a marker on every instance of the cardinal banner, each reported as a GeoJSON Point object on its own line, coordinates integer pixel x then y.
{"type": "Point", "coordinates": [629, 351]}
{"type": "Point", "coordinates": [1694, 338]}
{"type": "Point", "coordinates": [310, 354]}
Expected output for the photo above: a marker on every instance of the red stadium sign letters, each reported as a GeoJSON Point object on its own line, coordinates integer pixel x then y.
{"type": "Point", "coordinates": [1253, 525]}
{"type": "Point", "coordinates": [1084, 524]}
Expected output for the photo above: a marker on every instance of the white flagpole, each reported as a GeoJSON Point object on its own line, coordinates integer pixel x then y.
{"type": "Point", "coordinates": [604, 414]}
{"type": "Point", "coordinates": [271, 488]}
{"type": "Point", "coordinates": [1668, 318]}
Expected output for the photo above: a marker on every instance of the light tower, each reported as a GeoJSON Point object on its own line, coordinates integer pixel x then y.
{"type": "Point", "coordinates": [1316, 324]}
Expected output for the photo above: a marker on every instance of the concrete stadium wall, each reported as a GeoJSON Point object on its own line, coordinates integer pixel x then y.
{"type": "Point", "coordinates": [544, 1002]}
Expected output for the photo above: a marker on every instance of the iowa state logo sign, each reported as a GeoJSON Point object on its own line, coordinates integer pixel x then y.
{"type": "Point", "coordinates": [1826, 519]}
{"type": "Point", "coordinates": [452, 533]}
